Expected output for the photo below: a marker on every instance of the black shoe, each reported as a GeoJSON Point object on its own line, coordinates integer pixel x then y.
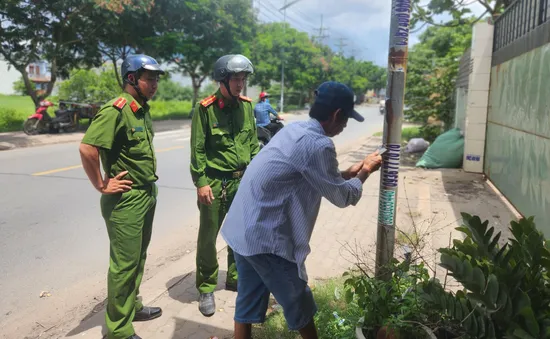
{"type": "Point", "coordinates": [135, 336]}
{"type": "Point", "coordinates": [207, 304]}
{"type": "Point", "coordinates": [148, 313]}
{"type": "Point", "coordinates": [231, 286]}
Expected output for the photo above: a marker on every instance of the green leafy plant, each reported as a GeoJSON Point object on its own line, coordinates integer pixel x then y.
{"type": "Point", "coordinates": [394, 303]}
{"type": "Point", "coordinates": [506, 289]}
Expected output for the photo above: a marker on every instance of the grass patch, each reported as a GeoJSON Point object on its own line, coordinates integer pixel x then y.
{"type": "Point", "coordinates": [335, 319]}
{"type": "Point", "coordinates": [407, 133]}
{"type": "Point", "coordinates": [166, 110]}
{"type": "Point", "coordinates": [15, 109]}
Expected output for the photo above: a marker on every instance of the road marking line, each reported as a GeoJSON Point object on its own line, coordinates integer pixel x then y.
{"type": "Point", "coordinates": [169, 149]}
{"type": "Point", "coordinates": [183, 139]}
{"type": "Point", "coordinates": [57, 170]}
{"type": "Point", "coordinates": [63, 169]}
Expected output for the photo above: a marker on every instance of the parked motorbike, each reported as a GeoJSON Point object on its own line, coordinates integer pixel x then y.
{"type": "Point", "coordinates": [41, 122]}
{"type": "Point", "coordinates": [265, 134]}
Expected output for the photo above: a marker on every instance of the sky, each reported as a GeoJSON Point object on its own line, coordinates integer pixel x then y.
{"type": "Point", "coordinates": [362, 24]}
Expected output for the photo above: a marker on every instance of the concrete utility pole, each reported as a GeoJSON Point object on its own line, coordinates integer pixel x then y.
{"type": "Point", "coordinates": [283, 9]}
{"type": "Point", "coordinates": [395, 94]}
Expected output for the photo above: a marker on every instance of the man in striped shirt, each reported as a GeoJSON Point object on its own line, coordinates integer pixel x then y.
{"type": "Point", "coordinates": [270, 222]}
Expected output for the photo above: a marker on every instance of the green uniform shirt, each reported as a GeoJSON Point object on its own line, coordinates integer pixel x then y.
{"type": "Point", "coordinates": [223, 136]}
{"type": "Point", "coordinates": [123, 131]}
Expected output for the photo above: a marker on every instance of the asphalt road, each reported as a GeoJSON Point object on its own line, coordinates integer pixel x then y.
{"type": "Point", "coordinates": [52, 236]}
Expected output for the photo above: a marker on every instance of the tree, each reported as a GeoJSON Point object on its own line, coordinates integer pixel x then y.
{"type": "Point", "coordinates": [432, 72]}
{"type": "Point", "coordinates": [171, 90]}
{"type": "Point", "coordinates": [59, 32]}
{"type": "Point", "coordinates": [457, 9]}
{"type": "Point", "coordinates": [206, 30]}
{"type": "Point", "coordinates": [19, 87]}
{"type": "Point", "coordinates": [89, 86]}
{"type": "Point", "coordinates": [305, 63]}
{"type": "Point", "coordinates": [131, 25]}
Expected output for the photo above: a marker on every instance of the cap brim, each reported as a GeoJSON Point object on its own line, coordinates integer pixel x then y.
{"type": "Point", "coordinates": [353, 114]}
{"type": "Point", "coordinates": [154, 68]}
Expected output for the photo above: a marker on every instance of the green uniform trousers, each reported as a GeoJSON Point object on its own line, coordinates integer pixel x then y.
{"type": "Point", "coordinates": [129, 218]}
{"type": "Point", "coordinates": [211, 219]}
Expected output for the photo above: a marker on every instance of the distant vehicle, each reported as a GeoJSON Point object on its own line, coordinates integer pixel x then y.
{"type": "Point", "coordinates": [66, 119]}
{"type": "Point", "coordinates": [382, 106]}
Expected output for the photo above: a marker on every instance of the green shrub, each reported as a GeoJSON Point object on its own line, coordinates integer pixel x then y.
{"type": "Point", "coordinates": [10, 120]}
{"type": "Point", "coordinates": [165, 110]}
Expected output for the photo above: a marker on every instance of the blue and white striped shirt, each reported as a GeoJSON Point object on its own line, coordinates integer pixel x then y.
{"type": "Point", "coordinates": [278, 200]}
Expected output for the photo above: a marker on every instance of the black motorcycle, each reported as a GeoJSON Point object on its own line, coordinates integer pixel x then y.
{"type": "Point", "coordinates": [266, 133]}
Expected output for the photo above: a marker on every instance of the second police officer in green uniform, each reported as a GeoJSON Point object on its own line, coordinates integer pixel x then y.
{"type": "Point", "coordinates": [121, 135]}
{"type": "Point", "coordinates": [223, 142]}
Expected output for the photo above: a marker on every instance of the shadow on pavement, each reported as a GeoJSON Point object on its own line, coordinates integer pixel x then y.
{"type": "Point", "coordinates": [95, 318]}
{"type": "Point", "coordinates": [182, 288]}
{"type": "Point", "coordinates": [189, 329]}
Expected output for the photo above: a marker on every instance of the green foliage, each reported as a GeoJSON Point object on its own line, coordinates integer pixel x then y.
{"type": "Point", "coordinates": [89, 86]}
{"type": "Point", "coordinates": [432, 73]}
{"type": "Point", "coordinates": [10, 119]}
{"type": "Point", "coordinates": [307, 65]}
{"type": "Point", "coordinates": [429, 132]}
{"type": "Point", "coordinates": [61, 32]}
{"type": "Point", "coordinates": [456, 10]}
{"type": "Point", "coordinates": [171, 90]}
{"type": "Point", "coordinates": [335, 318]}
{"type": "Point", "coordinates": [19, 87]}
{"type": "Point", "coordinates": [506, 289]}
{"type": "Point", "coordinates": [14, 109]}
{"type": "Point", "coordinates": [164, 110]}
{"type": "Point", "coordinates": [206, 30]}
{"type": "Point", "coordinates": [395, 302]}
{"type": "Point", "coordinates": [407, 133]}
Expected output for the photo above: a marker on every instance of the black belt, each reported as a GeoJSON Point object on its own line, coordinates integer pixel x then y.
{"type": "Point", "coordinates": [224, 174]}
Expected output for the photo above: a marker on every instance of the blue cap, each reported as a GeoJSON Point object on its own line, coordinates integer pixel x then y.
{"type": "Point", "coordinates": [337, 96]}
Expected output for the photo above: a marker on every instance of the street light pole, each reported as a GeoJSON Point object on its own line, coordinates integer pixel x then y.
{"type": "Point", "coordinates": [283, 52]}
{"type": "Point", "coordinates": [395, 95]}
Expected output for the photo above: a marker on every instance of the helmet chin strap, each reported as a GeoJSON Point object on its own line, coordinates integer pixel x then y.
{"type": "Point", "coordinates": [226, 84]}
{"type": "Point", "coordinates": [138, 91]}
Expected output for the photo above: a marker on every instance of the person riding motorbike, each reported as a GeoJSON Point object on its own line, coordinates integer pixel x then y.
{"type": "Point", "coordinates": [262, 112]}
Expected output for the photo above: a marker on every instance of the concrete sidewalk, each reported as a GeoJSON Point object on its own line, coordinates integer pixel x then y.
{"type": "Point", "coordinates": [429, 204]}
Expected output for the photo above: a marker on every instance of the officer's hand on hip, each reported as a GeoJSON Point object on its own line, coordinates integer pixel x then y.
{"type": "Point", "coordinates": [116, 184]}
{"type": "Point", "coordinates": [205, 195]}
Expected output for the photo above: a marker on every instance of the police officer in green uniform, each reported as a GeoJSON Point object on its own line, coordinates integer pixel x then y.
{"type": "Point", "coordinates": [121, 135]}
{"type": "Point", "coordinates": [223, 142]}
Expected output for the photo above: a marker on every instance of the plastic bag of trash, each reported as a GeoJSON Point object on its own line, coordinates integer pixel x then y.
{"type": "Point", "coordinates": [446, 151]}
{"type": "Point", "coordinates": [416, 145]}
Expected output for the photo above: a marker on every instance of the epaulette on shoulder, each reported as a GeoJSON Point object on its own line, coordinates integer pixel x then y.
{"type": "Point", "coordinates": [120, 103]}
{"type": "Point", "coordinates": [208, 101]}
{"type": "Point", "coordinates": [243, 98]}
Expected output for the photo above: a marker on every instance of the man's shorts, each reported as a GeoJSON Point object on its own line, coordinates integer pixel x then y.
{"type": "Point", "coordinates": [264, 273]}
